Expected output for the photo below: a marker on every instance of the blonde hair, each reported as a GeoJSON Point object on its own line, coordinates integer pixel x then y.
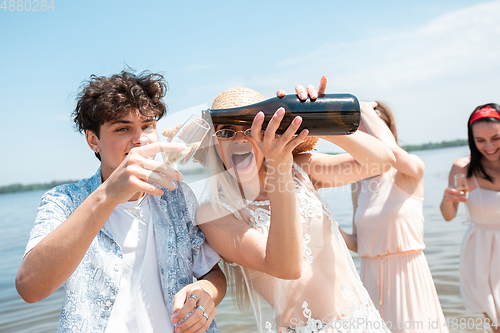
{"type": "Point", "coordinates": [224, 195]}
{"type": "Point", "coordinates": [224, 190]}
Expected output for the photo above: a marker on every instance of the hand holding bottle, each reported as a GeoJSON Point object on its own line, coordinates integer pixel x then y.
{"type": "Point", "coordinates": [333, 114]}
{"type": "Point", "coordinates": [310, 91]}
{"type": "Point", "coordinates": [322, 114]}
{"type": "Point", "coordinates": [277, 149]}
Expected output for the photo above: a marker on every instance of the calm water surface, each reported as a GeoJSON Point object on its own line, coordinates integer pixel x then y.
{"type": "Point", "coordinates": [443, 240]}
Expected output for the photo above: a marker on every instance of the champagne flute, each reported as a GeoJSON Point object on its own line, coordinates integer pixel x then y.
{"type": "Point", "coordinates": [191, 133]}
{"type": "Point", "coordinates": [461, 185]}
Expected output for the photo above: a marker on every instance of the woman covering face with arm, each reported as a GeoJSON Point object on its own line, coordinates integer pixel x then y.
{"type": "Point", "coordinates": [388, 232]}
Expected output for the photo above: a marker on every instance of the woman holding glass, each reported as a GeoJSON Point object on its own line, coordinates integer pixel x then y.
{"type": "Point", "coordinates": [480, 254]}
{"type": "Point", "coordinates": [266, 219]}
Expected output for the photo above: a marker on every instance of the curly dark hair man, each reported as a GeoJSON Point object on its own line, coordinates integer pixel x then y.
{"type": "Point", "coordinates": [122, 274]}
{"type": "Point", "coordinates": [103, 99]}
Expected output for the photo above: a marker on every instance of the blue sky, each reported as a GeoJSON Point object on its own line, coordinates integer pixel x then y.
{"type": "Point", "coordinates": [433, 61]}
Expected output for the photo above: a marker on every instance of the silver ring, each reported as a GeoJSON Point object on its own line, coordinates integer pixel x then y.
{"type": "Point", "coordinates": [193, 296]}
{"type": "Point", "coordinates": [201, 308]}
{"type": "Point", "coordinates": [205, 315]}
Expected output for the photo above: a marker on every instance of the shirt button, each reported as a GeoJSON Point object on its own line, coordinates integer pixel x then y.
{"type": "Point", "coordinates": [117, 267]}
{"type": "Point", "coordinates": [108, 304]}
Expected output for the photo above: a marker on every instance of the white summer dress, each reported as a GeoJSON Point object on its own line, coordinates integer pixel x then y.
{"type": "Point", "coordinates": [480, 254]}
{"type": "Point", "coordinates": [390, 234]}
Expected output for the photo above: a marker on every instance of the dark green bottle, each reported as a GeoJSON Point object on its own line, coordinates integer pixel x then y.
{"type": "Point", "coordinates": [329, 114]}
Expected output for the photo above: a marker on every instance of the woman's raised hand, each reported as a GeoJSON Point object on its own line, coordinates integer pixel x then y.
{"type": "Point", "coordinates": [277, 149]}
{"type": "Point", "coordinates": [310, 91]}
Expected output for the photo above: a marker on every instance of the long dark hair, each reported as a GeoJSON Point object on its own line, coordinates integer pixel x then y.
{"type": "Point", "coordinates": [475, 165]}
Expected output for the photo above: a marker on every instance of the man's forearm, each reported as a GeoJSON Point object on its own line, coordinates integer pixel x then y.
{"type": "Point", "coordinates": [52, 261]}
{"type": "Point", "coordinates": [214, 282]}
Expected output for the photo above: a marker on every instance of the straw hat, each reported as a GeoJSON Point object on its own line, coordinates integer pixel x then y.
{"type": "Point", "coordinates": [233, 98]}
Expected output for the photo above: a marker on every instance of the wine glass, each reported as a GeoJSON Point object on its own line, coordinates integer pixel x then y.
{"type": "Point", "coordinates": [191, 133]}
{"type": "Point", "coordinates": [461, 185]}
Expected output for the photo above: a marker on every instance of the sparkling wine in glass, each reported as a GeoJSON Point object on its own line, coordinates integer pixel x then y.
{"type": "Point", "coordinates": [461, 185]}
{"type": "Point", "coordinates": [191, 133]}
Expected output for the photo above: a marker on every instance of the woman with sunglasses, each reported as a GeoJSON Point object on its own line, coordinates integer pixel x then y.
{"type": "Point", "coordinates": [283, 249]}
{"type": "Point", "coordinates": [480, 254]}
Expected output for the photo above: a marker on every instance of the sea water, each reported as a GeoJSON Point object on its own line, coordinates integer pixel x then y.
{"type": "Point", "coordinates": [442, 239]}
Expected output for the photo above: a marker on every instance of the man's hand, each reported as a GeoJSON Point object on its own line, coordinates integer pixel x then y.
{"type": "Point", "coordinates": [201, 297]}
{"type": "Point", "coordinates": [139, 171]}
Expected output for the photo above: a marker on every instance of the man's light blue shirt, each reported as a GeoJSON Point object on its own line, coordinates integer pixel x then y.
{"type": "Point", "coordinates": [92, 289]}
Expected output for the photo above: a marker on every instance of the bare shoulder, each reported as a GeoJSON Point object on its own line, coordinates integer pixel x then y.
{"type": "Point", "coordinates": [462, 162]}
{"type": "Point", "coordinates": [205, 207]}
{"type": "Point", "coordinates": [205, 213]}
{"type": "Point", "coordinates": [461, 165]}
{"type": "Point", "coordinates": [303, 160]}
{"type": "Point", "coordinates": [210, 215]}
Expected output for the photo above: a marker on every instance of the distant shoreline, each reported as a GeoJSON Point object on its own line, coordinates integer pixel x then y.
{"type": "Point", "coordinates": [431, 145]}
{"type": "Point", "coordinates": [16, 188]}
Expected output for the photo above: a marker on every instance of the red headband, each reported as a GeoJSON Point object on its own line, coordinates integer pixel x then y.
{"type": "Point", "coordinates": [486, 112]}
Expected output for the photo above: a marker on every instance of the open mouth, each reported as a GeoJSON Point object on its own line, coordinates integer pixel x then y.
{"type": "Point", "coordinates": [492, 152]}
{"type": "Point", "coordinates": [242, 159]}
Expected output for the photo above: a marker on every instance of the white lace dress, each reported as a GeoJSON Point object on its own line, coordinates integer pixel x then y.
{"type": "Point", "coordinates": [329, 296]}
